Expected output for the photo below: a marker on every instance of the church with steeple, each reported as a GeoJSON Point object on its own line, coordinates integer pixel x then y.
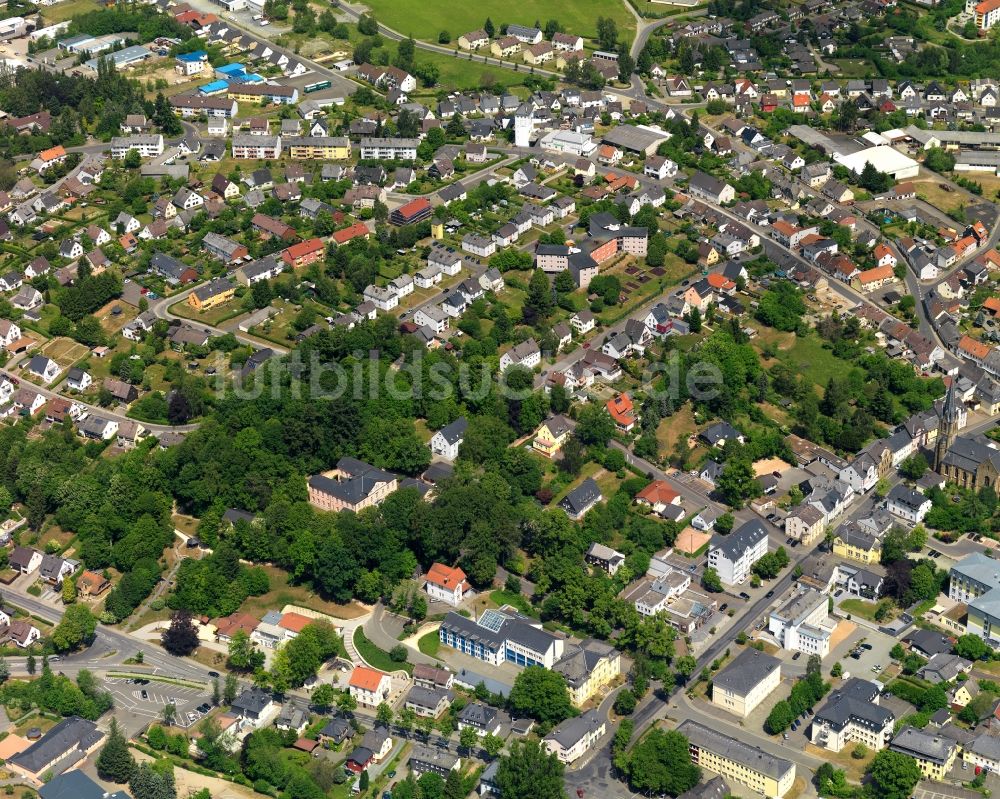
{"type": "Point", "coordinates": [968, 461]}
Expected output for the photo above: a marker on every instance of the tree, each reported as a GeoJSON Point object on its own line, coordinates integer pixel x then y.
{"type": "Point", "coordinates": [780, 718]}
{"type": "Point", "coordinates": [492, 744]}
{"type": "Point", "coordinates": [660, 763]}
{"type": "Point", "coordinates": [893, 775]}
{"type": "Point", "coordinates": [530, 772]}
{"type": "Point", "coordinates": [913, 467]}
{"type": "Point", "coordinates": [323, 697]}
{"type": "Point", "coordinates": [76, 628]}
{"type": "Point", "coordinates": [540, 294]}
{"type": "Point", "coordinates": [30, 664]}
{"type": "Point", "coordinates": [230, 688]}
{"type": "Point", "coordinates": [489, 27]}
{"type": "Point", "coordinates": [150, 782]}
{"type": "Point", "coordinates": [607, 33]}
{"type": "Point", "coordinates": [972, 647]}
{"type": "Point", "coordinates": [384, 714]}
{"type": "Point", "coordinates": [115, 763]}
{"type": "Point", "coordinates": [467, 737]}
{"type": "Point", "coordinates": [710, 580]}
{"type": "Point", "coordinates": [181, 637]}
{"type": "Point", "coordinates": [69, 591]}
{"type": "Point", "coordinates": [540, 694]}
{"type": "Point", "coordinates": [594, 425]}
{"type": "Point", "coordinates": [243, 653]}
{"type": "Point", "coordinates": [737, 483]}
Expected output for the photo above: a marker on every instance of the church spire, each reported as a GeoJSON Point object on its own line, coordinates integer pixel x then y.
{"type": "Point", "coordinates": [948, 425]}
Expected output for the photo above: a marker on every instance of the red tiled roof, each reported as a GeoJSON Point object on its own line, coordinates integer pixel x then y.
{"type": "Point", "coordinates": [445, 576]}
{"type": "Point", "coordinates": [656, 492]}
{"type": "Point", "coordinates": [366, 679]}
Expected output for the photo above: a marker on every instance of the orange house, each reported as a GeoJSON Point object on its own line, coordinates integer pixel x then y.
{"type": "Point", "coordinates": [303, 253]}
{"type": "Point", "coordinates": [622, 412]}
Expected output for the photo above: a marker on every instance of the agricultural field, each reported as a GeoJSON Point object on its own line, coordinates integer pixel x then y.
{"type": "Point", "coordinates": [424, 19]}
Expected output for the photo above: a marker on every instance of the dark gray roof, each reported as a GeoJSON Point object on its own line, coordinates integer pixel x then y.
{"type": "Point", "coordinates": [427, 697]}
{"type": "Point", "coordinates": [751, 757]}
{"type": "Point", "coordinates": [363, 479]}
{"type": "Point", "coordinates": [252, 700]}
{"type": "Point", "coordinates": [715, 788]}
{"type": "Point", "coordinates": [582, 497]}
{"type": "Point", "coordinates": [477, 715]}
{"type": "Point", "coordinates": [746, 671]}
{"type": "Point", "coordinates": [853, 703]}
{"type": "Point", "coordinates": [71, 733]}
{"type": "Point", "coordinates": [740, 540]}
{"type": "Point", "coordinates": [453, 433]}
{"type": "Point", "coordinates": [570, 731]}
{"type": "Point", "coordinates": [917, 743]}
{"type": "Point", "coordinates": [76, 785]}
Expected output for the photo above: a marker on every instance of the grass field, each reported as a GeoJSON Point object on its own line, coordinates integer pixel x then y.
{"type": "Point", "coordinates": [461, 73]}
{"type": "Point", "coordinates": [806, 356]}
{"type": "Point", "coordinates": [424, 19]}
{"type": "Point", "coordinates": [68, 10]}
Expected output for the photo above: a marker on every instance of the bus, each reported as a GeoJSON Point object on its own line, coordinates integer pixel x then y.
{"type": "Point", "coordinates": [317, 86]}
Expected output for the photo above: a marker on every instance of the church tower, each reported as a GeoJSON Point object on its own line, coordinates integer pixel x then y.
{"type": "Point", "coordinates": [950, 421]}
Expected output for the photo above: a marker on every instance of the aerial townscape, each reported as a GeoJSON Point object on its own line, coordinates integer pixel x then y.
{"type": "Point", "coordinates": [537, 400]}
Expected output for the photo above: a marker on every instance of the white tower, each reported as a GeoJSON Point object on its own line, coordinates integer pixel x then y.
{"type": "Point", "coordinates": [523, 125]}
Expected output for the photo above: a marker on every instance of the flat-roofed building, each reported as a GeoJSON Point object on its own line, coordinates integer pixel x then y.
{"type": "Point", "coordinates": [801, 624]}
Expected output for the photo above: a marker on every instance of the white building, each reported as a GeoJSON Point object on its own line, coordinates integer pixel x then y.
{"type": "Point", "coordinates": [733, 556]}
{"type": "Point", "coordinates": [853, 715]}
{"type": "Point", "coordinates": [907, 504]}
{"type": "Point", "coordinates": [149, 145]}
{"type": "Point", "coordinates": [801, 624]}
{"type": "Point", "coordinates": [369, 687]}
{"type": "Point", "coordinates": [572, 738]}
{"type": "Point", "coordinates": [446, 441]}
{"type": "Point", "coordinates": [446, 584]}
{"type": "Point", "coordinates": [526, 354]}
{"type": "Point", "coordinates": [569, 142]}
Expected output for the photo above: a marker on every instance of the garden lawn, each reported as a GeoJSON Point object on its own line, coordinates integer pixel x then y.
{"type": "Point", "coordinates": [429, 643]}
{"type": "Point", "coordinates": [424, 19]}
{"type": "Point", "coordinates": [375, 657]}
{"type": "Point", "coordinates": [501, 598]}
{"type": "Point", "coordinates": [858, 607]}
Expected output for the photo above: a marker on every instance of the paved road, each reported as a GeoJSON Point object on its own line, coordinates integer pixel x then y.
{"type": "Point", "coordinates": [104, 413]}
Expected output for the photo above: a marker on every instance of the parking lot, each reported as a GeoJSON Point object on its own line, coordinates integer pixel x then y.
{"type": "Point", "coordinates": [145, 699]}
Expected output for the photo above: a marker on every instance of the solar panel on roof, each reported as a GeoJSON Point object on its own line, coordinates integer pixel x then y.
{"type": "Point", "coordinates": [492, 620]}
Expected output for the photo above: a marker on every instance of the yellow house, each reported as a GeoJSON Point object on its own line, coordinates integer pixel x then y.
{"type": "Point", "coordinates": [738, 761]}
{"type": "Point", "coordinates": [212, 294]}
{"type": "Point", "coordinates": [964, 693]}
{"type": "Point", "coordinates": [853, 544]}
{"type": "Point", "coordinates": [746, 682]}
{"type": "Point", "coordinates": [935, 754]}
{"type": "Point", "coordinates": [551, 435]}
{"type": "Point", "coordinates": [588, 668]}
{"type": "Point", "coordinates": [331, 148]}
{"type": "Point", "coordinates": [437, 229]}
